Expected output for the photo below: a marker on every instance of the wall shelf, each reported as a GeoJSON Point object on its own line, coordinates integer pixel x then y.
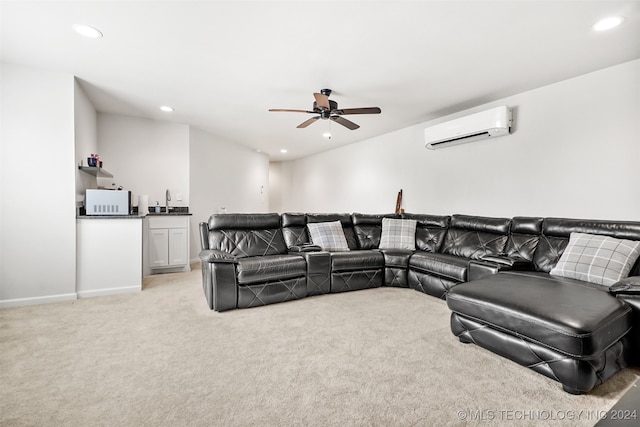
{"type": "Point", "coordinates": [95, 171]}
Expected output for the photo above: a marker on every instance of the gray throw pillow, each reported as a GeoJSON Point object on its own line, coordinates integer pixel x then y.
{"type": "Point", "coordinates": [597, 259]}
{"type": "Point", "coordinates": [398, 234]}
{"type": "Point", "coordinates": [328, 235]}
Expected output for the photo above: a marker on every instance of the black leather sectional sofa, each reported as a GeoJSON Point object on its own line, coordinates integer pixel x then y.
{"type": "Point", "coordinates": [493, 272]}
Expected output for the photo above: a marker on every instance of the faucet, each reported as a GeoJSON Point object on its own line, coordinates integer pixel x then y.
{"type": "Point", "coordinates": [167, 197]}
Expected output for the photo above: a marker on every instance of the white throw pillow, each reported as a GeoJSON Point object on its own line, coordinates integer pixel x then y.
{"type": "Point", "coordinates": [597, 259]}
{"type": "Point", "coordinates": [328, 235]}
{"type": "Point", "coordinates": [398, 234]}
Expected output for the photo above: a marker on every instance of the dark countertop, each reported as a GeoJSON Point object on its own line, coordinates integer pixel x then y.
{"type": "Point", "coordinates": [109, 216]}
{"type": "Point", "coordinates": [174, 211]}
{"type": "Point", "coordinates": [132, 216]}
{"type": "Point", "coordinates": [169, 214]}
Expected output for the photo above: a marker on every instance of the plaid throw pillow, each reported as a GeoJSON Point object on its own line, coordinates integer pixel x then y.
{"type": "Point", "coordinates": [328, 235]}
{"type": "Point", "coordinates": [597, 259]}
{"type": "Point", "coordinates": [398, 234]}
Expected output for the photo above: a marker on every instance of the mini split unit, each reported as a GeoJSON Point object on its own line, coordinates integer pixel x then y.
{"type": "Point", "coordinates": [475, 127]}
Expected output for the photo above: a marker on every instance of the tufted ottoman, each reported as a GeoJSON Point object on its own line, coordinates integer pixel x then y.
{"type": "Point", "coordinates": [565, 329]}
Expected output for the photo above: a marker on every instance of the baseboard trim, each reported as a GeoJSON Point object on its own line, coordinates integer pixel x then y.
{"type": "Point", "coordinates": [19, 302]}
{"type": "Point", "coordinates": [108, 291]}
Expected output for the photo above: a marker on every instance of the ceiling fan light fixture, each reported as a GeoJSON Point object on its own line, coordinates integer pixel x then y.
{"type": "Point", "coordinates": [87, 31]}
{"type": "Point", "coordinates": [327, 135]}
{"type": "Point", "coordinates": [327, 109]}
{"type": "Point", "coordinates": [608, 23]}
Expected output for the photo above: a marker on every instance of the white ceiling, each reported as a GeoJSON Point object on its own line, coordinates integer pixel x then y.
{"type": "Point", "coordinates": [223, 64]}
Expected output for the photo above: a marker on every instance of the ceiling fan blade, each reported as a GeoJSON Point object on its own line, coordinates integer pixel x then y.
{"type": "Point", "coordinates": [344, 122]}
{"type": "Point", "coordinates": [366, 110]}
{"type": "Point", "coordinates": [307, 122]}
{"type": "Point", "coordinates": [284, 110]}
{"type": "Point", "coordinates": [322, 101]}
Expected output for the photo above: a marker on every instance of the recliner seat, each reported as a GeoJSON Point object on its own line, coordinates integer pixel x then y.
{"type": "Point", "coordinates": [467, 238]}
{"type": "Point", "coordinates": [245, 262]}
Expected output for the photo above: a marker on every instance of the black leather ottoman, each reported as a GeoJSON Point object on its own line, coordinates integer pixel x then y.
{"type": "Point", "coordinates": [569, 331]}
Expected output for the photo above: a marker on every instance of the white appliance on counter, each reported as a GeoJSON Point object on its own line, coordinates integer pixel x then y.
{"type": "Point", "coordinates": [107, 202]}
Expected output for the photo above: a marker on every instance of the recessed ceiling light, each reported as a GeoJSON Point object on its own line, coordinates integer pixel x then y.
{"type": "Point", "coordinates": [608, 23]}
{"type": "Point", "coordinates": [166, 109]}
{"type": "Point", "coordinates": [87, 31]}
{"type": "Point", "coordinates": [283, 151]}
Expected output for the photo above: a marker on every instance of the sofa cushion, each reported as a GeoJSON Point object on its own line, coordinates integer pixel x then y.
{"type": "Point", "coordinates": [368, 228]}
{"type": "Point", "coordinates": [430, 230]}
{"type": "Point", "coordinates": [328, 235]}
{"type": "Point", "coordinates": [548, 252]}
{"type": "Point", "coordinates": [523, 238]}
{"type": "Point", "coordinates": [597, 259]}
{"type": "Point", "coordinates": [249, 221]}
{"type": "Point", "coordinates": [248, 243]}
{"type": "Point", "coordinates": [567, 315]}
{"type": "Point", "coordinates": [398, 234]}
{"type": "Point", "coordinates": [356, 260]}
{"type": "Point", "coordinates": [294, 229]}
{"type": "Point", "coordinates": [474, 236]}
{"type": "Point", "coordinates": [449, 266]}
{"type": "Point", "coordinates": [270, 267]}
{"type": "Point", "coordinates": [398, 258]}
{"type": "Point", "coordinates": [246, 235]}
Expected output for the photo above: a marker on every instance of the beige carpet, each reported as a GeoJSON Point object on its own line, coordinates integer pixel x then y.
{"type": "Point", "coordinates": [382, 357]}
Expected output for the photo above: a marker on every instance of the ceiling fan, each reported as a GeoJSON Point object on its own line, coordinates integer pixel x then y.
{"type": "Point", "coordinates": [328, 109]}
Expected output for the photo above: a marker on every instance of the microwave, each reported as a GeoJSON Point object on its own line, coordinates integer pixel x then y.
{"type": "Point", "coordinates": [107, 202]}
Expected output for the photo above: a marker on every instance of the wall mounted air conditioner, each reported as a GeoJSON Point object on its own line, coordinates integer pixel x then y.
{"type": "Point", "coordinates": [485, 124]}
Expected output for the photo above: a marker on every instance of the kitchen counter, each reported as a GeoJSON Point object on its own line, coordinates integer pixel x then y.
{"type": "Point", "coordinates": [177, 211]}
{"type": "Point", "coordinates": [133, 216]}
{"type": "Point", "coordinates": [110, 216]}
{"type": "Point", "coordinates": [109, 255]}
{"type": "Point", "coordinates": [170, 213]}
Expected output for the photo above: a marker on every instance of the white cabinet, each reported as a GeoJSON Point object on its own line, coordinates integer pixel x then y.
{"type": "Point", "coordinates": [167, 243]}
{"type": "Point", "coordinates": [109, 256]}
{"type": "Point", "coordinates": [158, 247]}
{"type": "Point", "coordinates": [178, 246]}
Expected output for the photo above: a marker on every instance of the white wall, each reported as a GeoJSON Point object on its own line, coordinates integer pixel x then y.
{"type": "Point", "coordinates": [226, 175]}
{"type": "Point", "coordinates": [37, 223]}
{"type": "Point", "coordinates": [574, 152]}
{"type": "Point", "coordinates": [145, 157]}
{"type": "Point", "coordinates": [280, 185]}
{"type": "Point", "coordinates": [86, 139]}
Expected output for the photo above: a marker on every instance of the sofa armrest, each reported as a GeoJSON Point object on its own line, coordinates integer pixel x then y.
{"type": "Point", "coordinates": [203, 227]}
{"type": "Point", "coordinates": [318, 271]}
{"type": "Point", "coordinates": [212, 255]}
{"type": "Point", "coordinates": [628, 286]}
{"type": "Point", "coordinates": [305, 248]}
{"type": "Point", "coordinates": [219, 284]}
{"type": "Point", "coordinates": [492, 264]}
{"type": "Point", "coordinates": [512, 263]}
{"type": "Point", "coordinates": [480, 269]}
